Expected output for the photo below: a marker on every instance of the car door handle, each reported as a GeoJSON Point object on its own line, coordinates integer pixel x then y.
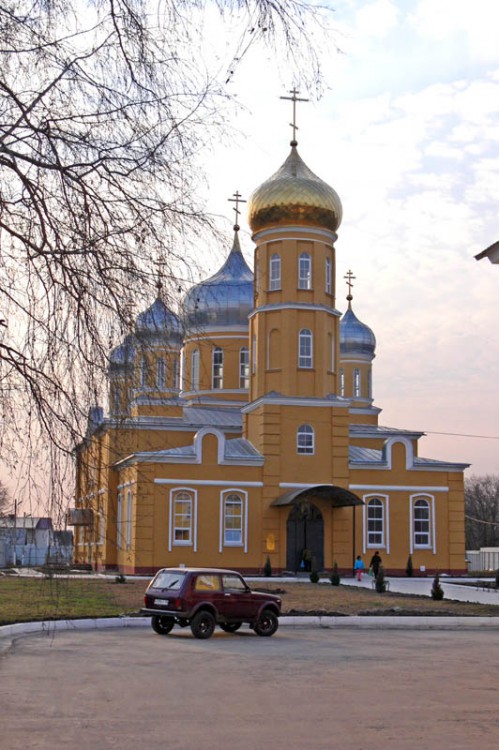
{"type": "Point", "coordinates": [226, 594]}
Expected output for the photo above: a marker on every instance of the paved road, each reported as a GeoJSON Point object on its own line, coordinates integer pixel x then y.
{"type": "Point", "coordinates": [303, 688]}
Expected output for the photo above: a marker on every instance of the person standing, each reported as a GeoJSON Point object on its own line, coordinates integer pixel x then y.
{"type": "Point", "coordinates": [359, 567]}
{"type": "Point", "coordinates": [375, 563]}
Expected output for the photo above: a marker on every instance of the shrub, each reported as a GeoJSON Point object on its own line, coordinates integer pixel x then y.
{"type": "Point", "coordinates": [267, 568]}
{"type": "Point", "coordinates": [380, 580]}
{"type": "Point", "coordinates": [120, 578]}
{"type": "Point", "coordinates": [437, 592]}
{"type": "Point", "coordinates": [409, 570]}
{"type": "Point", "coordinates": [335, 576]}
{"type": "Point", "coordinates": [314, 576]}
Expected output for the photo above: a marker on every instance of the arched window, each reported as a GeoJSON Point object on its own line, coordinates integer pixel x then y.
{"type": "Point", "coordinates": [422, 523]}
{"type": "Point", "coordinates": [218, 368]}
{"type": "Point", "coordinates": [244, 367]}
{"type": "Point", "coordinates": [375, 523]}
{"type": "Point", "coordinates": [233, 520]}
{"type": "Point", "coordinates": [275, 272]}
{"type": "Point", "coordinates": [329, 276]}
{"type": "Point", "coordinates": [305, 271]}
{"type": "Point", "coordinates": [195, 370]}
{"type": "Point", "coordinates": [356, 383]}
{"type": "Point", "coordinates": [342, 382]}
{"type": "Point", "coordinates": [182, 518]}
{"type": "Point", "coordinates": [305, 348]}
{"type": "Point", "coordinates": [369, 384]}
{"type": "Point", "coordinates": [160, 373]}
{"type": "Point", "coordinates": [143, 372]}
{"type": "Point", "coordinates": [305, 439]}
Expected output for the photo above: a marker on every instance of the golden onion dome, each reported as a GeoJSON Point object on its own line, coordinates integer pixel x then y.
{"type": "Point", "coordinates": [294, 195]}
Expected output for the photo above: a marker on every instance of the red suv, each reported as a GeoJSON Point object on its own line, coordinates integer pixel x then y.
{"type": "Point", "coordinates": [205, 597]}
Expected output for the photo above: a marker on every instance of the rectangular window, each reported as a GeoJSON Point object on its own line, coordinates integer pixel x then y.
{"type": "Point", "coordinates": [375, 523]}
{"type": "Point", "coordinates": [329, 276]}
{"type": "Point", "coordinates": [161, 373]}
{"type": "Point", "coordinates": [195, 370]}
{"type": "Point", "coordinates": [128, 527]}
{"type": "Point", "coordinates": [305, 271]}
{"type": "Point", "coordinates": [356, 383]}
{"type": "Point", "coordinates": [182, 519]}
{"type": "Point", "coordinates": [119, 521]}
{"type": "Point", "coordinates": [233, 520]}
{"type": "Point", "coordinates": [422, 524]}
{"type": "Point", "coordinates": [275, 273]}
{"type": "Point", "coordinates": [244, 367]}
{"type": "Point", "coordinates": [218, 368]}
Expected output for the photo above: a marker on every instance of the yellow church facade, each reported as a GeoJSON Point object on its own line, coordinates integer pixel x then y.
{"type": "Point", "coordinates": [244, 428]}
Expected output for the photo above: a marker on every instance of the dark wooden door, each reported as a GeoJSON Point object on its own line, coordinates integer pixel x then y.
{"type": "Point", "coordinates": [305, 536]}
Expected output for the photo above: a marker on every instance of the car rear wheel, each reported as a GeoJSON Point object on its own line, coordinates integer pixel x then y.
{"type": "Point", "coordinates": [162, 625]}
{"type": "Point", "coordinates": [230, 627]}
{"type": "Point", "coordinates": [267, 623]}
{"type": "Point", "coordinates": [203, 625]}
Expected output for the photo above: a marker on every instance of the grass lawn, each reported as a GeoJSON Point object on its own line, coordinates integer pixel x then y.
{"type": "Point", "coordinates": [24, 599]}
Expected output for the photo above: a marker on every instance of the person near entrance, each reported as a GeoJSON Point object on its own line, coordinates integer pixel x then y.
{"type": "Point", "coordinates": [375, 563]}
{"type": "Point", "coordinates": [359, 567]}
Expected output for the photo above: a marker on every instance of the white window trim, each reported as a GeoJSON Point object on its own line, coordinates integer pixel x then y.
{"type": "Point", "coordinates": [244, 373]}
{"type": "Point", "coordinates": [244, 497]}
{"type": "Point", "coordinates": [194, 528]}
{"type": "Point", "coordinates": [357, 383]}
{"type": "Point", "coordinates": [341, 376]}
{"type": "Point", "coordinates": [195, 370]}
{"type": "Point", "coordinates": [305, 282]}
{"type": "Point", "coordinates": [128, 521]}
{"type": "Point", "coordinates": [305, 453]}
{"type": "Point", "coordinates": [433, 530]}
{"type": "Point", "coordinates": [119, 520]}
{"type": "Point", "coordinates": [161, 373]}
{"type": "Point", "coordinates": [385, 499]}
{"type": "Point", "coordinates": [329, 276]}
{"type": "Point", "coordinates": [217, 350]}
{"type": "Point", "coordinates": [306, 333]}
{"type": "Point", "coordinates": [275, 280]}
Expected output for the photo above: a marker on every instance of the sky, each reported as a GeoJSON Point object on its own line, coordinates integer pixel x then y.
{"type": "Point", "coordinates": [407, 133]}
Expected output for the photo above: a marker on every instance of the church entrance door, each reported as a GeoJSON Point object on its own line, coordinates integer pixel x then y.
{"type": "Point", "coordinates": [305, 538]}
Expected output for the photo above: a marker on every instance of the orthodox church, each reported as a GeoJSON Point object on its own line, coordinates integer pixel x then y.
{"type": "Point", "coordinates": [244, 429]}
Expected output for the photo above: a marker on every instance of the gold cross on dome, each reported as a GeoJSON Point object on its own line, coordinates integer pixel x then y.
{"type": "Point", "coordinates": [237, 199]}
{"type": "Point", "coordinates": [349, 278]}
{"type": "Point", "coordinates": [294, 98]}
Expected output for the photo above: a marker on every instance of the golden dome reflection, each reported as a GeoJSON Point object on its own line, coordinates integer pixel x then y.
{"type": "Point", "coordinates": [294, 195]}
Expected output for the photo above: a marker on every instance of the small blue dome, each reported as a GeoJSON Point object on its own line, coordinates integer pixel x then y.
{"type": "Point", "coordinates": [121, 357]}
{"type": "Point", "coordinates": [355, 337]}
{"type": "Point", "coordinates": [159, 322]}
{"type": "Point", "coordinates": [225, 299]}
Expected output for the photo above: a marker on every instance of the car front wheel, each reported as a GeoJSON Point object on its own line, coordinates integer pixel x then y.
{"type": "Point", "coordinates": [162, 625]}
{"type": "Point", "coordinates": [267, 623]}
{"type": "Point", "coordinates": [203, 625]}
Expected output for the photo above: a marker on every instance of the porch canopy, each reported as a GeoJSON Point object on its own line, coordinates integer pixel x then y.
{"type": "Point", "coordinates": [337, 496]}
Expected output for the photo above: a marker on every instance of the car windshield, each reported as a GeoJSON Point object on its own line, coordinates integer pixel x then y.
{"type": "Point", "coordinates": [168, 579]}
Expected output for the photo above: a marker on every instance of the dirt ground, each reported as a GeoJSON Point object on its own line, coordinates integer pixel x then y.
{"type": "Point", "coordinates": [339, 600]}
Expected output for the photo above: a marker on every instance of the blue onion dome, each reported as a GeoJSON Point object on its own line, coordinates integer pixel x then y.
{"type": "Point", "coordinates": [356, 339]}
{"type": "Point", "coordinates": [225, 299]}
{"type": "Point", "coordinates": [121, 357]}
{"type": "Point", "coordinates": [294, 195]}
{"type": "Point", "coordinates": [159, 322]}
